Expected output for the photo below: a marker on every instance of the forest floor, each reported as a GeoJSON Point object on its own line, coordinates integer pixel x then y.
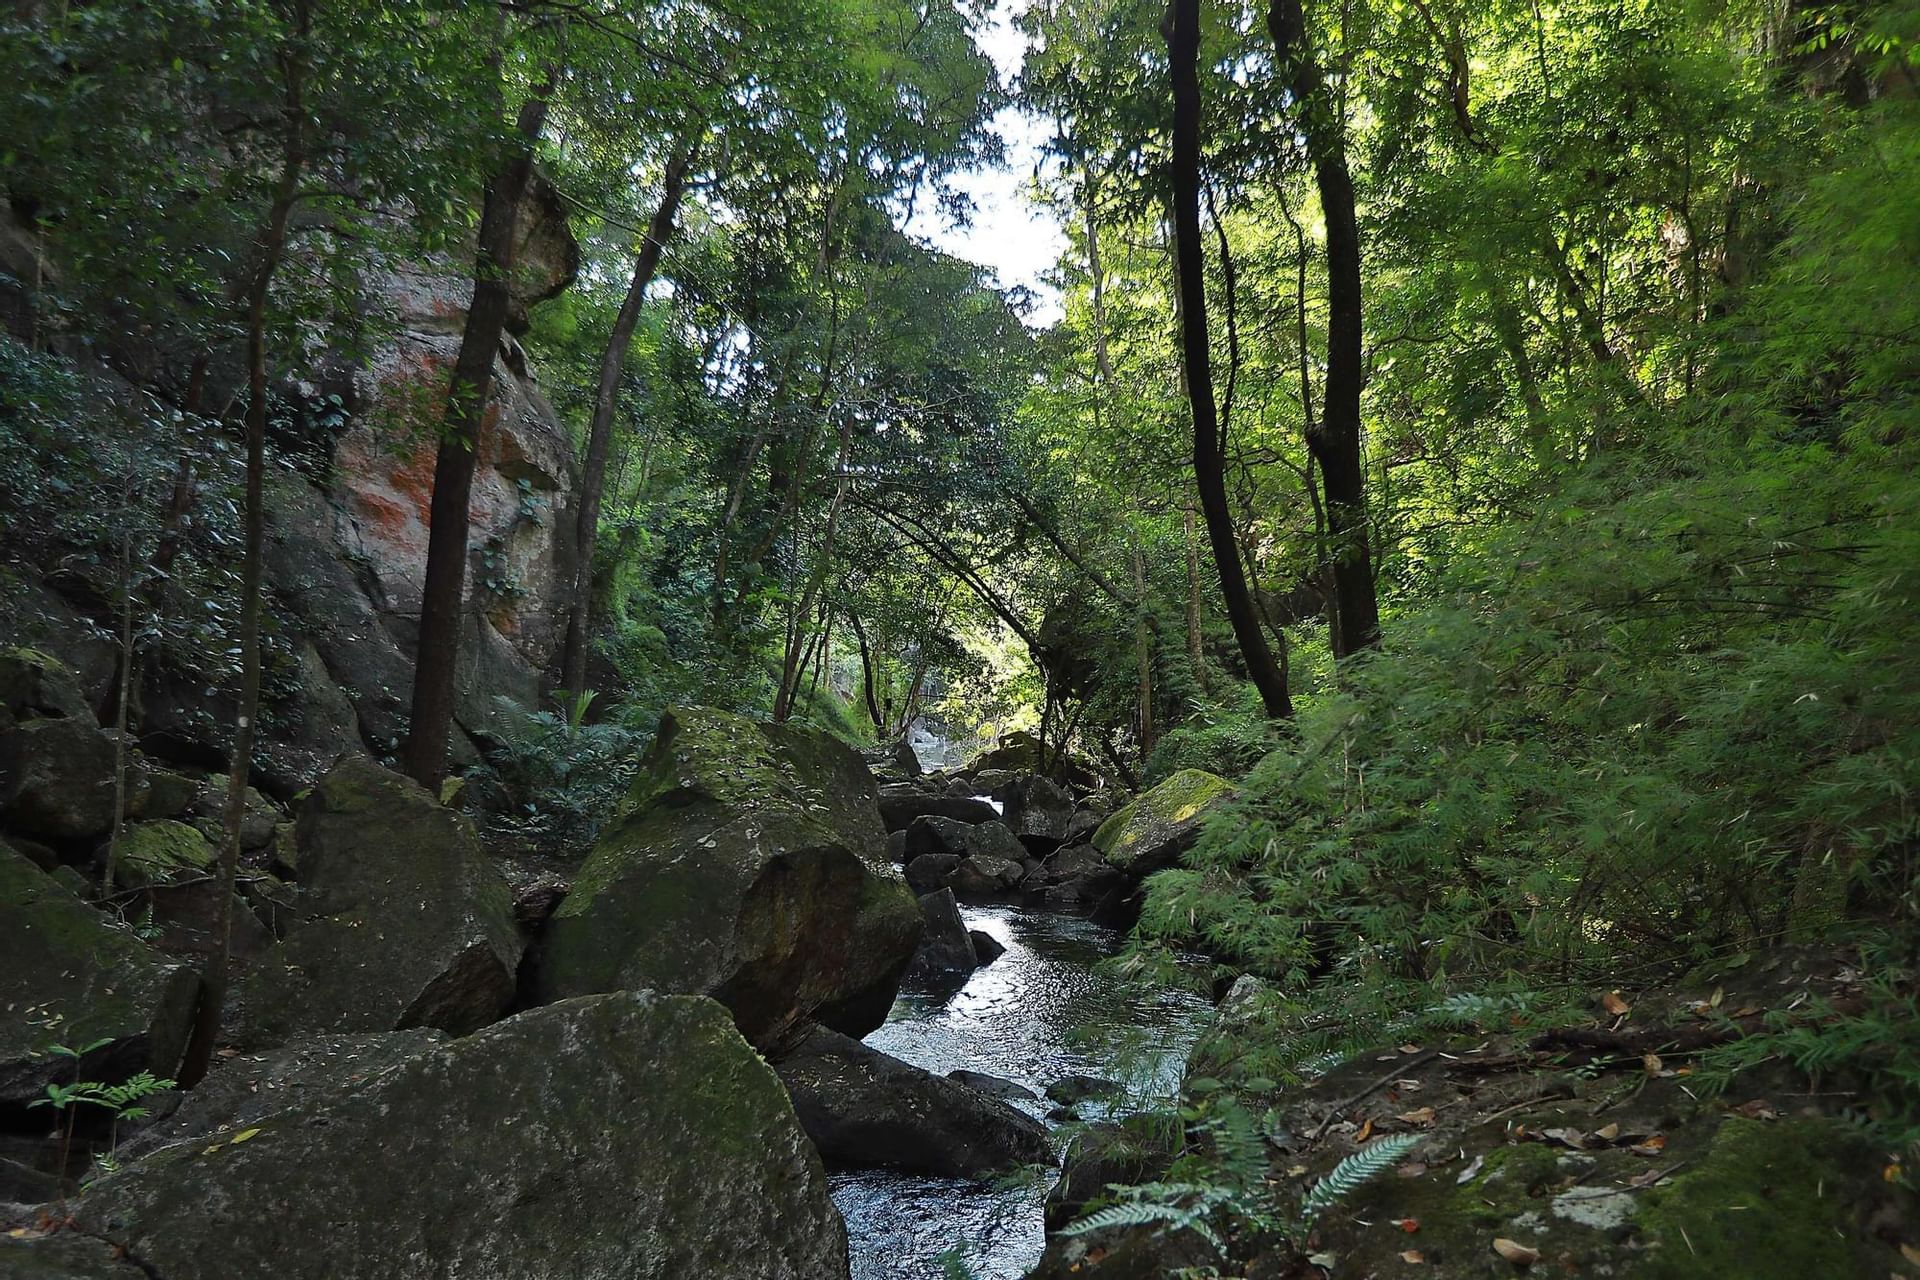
{"type": "Point", "coordinates": [1617, 1144]}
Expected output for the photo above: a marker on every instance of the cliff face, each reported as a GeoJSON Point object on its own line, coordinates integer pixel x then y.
{"type": "Point", "coordinates": [347, 529]}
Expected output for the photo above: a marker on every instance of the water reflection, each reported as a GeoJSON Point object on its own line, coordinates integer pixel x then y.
{"type": "Point", "coordinates": [1033, 1016]}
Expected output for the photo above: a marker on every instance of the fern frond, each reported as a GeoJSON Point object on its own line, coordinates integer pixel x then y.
{"type": "Point", "coordinates": [1165, 1206]}
{"type": "Point", "coordinates": [1352, 1173]}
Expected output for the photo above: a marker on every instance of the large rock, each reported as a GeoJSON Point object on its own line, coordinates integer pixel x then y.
{"type": "Point", "coordinates": [864, 1109]}
{"type": "Point", "coordinates": [945, 947]}
{"type": "Point", "coordinates": [56, 779]}
{"type": "Point", "coordinates": [407, 923]}
{"type": "Point", "coordinates": [629, 1136]}
{"type": "Point", "coordinates": [985, 876]}
{"type": "Point", "coordinates": [933, 834]}
{"type": "Point", "coordinates": [1038, 811]}
{"type": "Point", "coordinates": [1150, 834]}
{"type": "Point", "coordinates": [70, 977]}
{"type": "Point", "coordinates": [1138, 1149]}
{"type": "Point", "coordinates": [65, 1256]}
{"type": "Point", "coordinates": [35, 686]}
{"type": "Point", "coordinates": [902, 802]}
{"type": "Point", "coordinates": [749, 865]}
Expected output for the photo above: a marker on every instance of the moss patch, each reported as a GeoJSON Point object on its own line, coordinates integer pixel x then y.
{"type": "Point", "coordinates": [161, 852]}
{"type": "Point", "coordinates": [1164, 817]}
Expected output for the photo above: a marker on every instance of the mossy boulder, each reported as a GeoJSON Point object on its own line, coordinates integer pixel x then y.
{"type": "Point", "coordinates": [62, 1257]}
{"type": "Point", "coordinates": [1150, 834]}
{"type": "Point", "coordinates": [69, 976]}
{"type": "Point", "coordinates": [36, 685]}
{"type": "Point", "coordinates": [56, 779]}
{"type": "Point", "coordinates": [258, 815]}
{"type": "Point", "coordinates": [404, 922]}
{"type": "Point", "coordinates": [749, 864]}
{"type": "Point", "coordinates": [628, 1136]}
{"type": "Point", "coordinates": [160, 852]}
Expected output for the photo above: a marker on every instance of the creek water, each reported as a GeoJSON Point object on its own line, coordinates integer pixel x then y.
{"type": "Point", "coordinates": [1035, 1015]}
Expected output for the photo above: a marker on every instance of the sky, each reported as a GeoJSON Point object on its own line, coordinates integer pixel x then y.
{"type": "Point", "coordinates": [1010, 234]}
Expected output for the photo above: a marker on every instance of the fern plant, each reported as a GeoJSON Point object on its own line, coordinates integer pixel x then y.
{"type": "Point", "coordinates": [1354, 1172]}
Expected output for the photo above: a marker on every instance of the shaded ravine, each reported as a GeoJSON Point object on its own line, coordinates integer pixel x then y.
{"type": "Point", "coordinates": [1033, 1016]}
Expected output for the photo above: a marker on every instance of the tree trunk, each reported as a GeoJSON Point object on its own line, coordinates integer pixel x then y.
{"type": "Point", "coordinates": [613, 362]}
{"type": "Point", "coordinates": [1196, 648]}
{"type": "Point", "coordinates": [866, 673]}
{"type": "Point", "coordinates": [1143, 649]}
{"type": "Point", "coordinates": [1335, 440]}
{"type": "Point", "coordinates": [1182, 32]}
{"type": "Point", "coordinates": [437, 657]}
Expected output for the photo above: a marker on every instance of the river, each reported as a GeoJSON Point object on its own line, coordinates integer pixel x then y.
{"type": "Point", "coordinates": [1037, 1014]}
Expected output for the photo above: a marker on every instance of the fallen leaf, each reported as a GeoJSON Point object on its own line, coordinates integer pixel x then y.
{"type": "Point", "coordinates": [1891, 1173]}
{"type": "Point", "coordinates": [1652, 1064]}
{"type": "Point", "coordinates": [1650, 1177]}
{"type": "Point", "coordinates": [1758, 1109]}
{"type": "Point", "coordinates": [1614, 1004]}
{"type": "Point", "coordinates": [1471, 1171]}
{"type": "Point", "coordinates": [1745, 1011]}
{"type": "Point", "coordinates": [1422, 1116]}
{"type": "Point", "coordinates": [1408, 1225]}
{"type": "Point", "coordinates": [1907, 1251]}
{"type": "Point", "coordinates": [1566, 1138]}
{"type": "Point", "coordinates": [1520, 1255]}
{"type": "Point", "coordinates": [1409, 1048]}
{"type": "Point", "coordinates": [1297, 1171]}
{"type": "Point", "coordinates": [1653, 1146]}
{"type": "Point", "coordinates": [1413, 1169]}
{"type": "Point", "coordinates": [1324, 1261]}
{"type": "Point", "coordinates": [1607, 1132]}
{"type": "Point", "coordinates": [1719, 994]}
{"type": "Point", "coordinates": [1366, 1131]}
{"type": "Point", "coordinates": [243, 1136]}
{"type": "Point", "coordinates": [1413, 1257]}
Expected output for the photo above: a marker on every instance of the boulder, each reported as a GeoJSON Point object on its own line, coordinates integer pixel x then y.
{"type": "Point", "coordinates": [930, 872]}
{"type": "Point", "coordinates": [934, 834]}
{"type": "Point", "coordinates": [1150, 834]}
{"type": "Point", "coordinates": [65, 1256]}
{"type": "Point", "coordinates": [897, 848]}
{"type": "Point", "coordinates": [994, 1086]}
{"type": "Point", "coordinates": [902, 802]}
{"type": "Point", "coordinates": [1072, 1090]}
{"type": "Point", "coordinates": [406, 923]}
{"type": "Point", "coordinates": [56, 779]}
{"type": "Point", "coordinates": [71, 977]}
{"type": "Point", "coordinates": [628, 1136]}
{"type": "Point", "coordinates": [945, 946]}
{"type": "Point", "coordinates": [258, 816]}
{"type": "Point", "coordinates": [36, 686]}
{"type": "Point", "coordinates": [987, 947]}
{"type": "Point", "coordinates": [1038, 811]}
{"type": "Point", "coordinates": [161, 852]}
{"type": "Point", "coordinates": [985, 876]}
{"type": "Point", "coordinates": [1075, 874]}
{"type": "Point", "coordinates": [750, 865]}
{"type": "Point", "coordinates": [864, 1109]}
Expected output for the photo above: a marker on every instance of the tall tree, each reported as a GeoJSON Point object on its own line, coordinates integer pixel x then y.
{"type": "Point", "coordinates": [1182, 32]}
{"type": "Point", "coordinates": [1335, 438]}
{"type": "Point", "coordinates": [463, 422]}
{"type": "Point", "coordinates": [613, 363]}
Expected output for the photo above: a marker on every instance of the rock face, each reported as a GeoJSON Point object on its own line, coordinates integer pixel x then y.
{"type": "Point", "coordinates": [407, 924]}
{"type": "Point", "coordinates": [1150, 834]}
{"type": "Point", "coordinates": [985, 876]}
{"type": "Point", "coordinates": [749, 865]}
{"type": "Point", "coordinates": [241, 1091]}
{"type": "Point", "coordinates": [350, 487]}
{"type": "Point", "coordinates": [864, 1109]}
{"type": "Point", "coordinates": [71, 978]}
{"type": "Point", "coordinates": [629, 1136]}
